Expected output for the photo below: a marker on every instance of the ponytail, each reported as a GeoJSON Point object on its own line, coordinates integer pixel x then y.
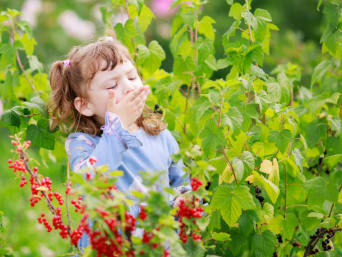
{"type": "Point", "coordinates": [61, 105]}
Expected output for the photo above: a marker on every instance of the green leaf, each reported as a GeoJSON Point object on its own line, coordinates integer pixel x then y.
{"type": "Point", "coordinates": [248, 159]}
{"type": "Point", "coordinates": [221, 236]}
{"type": "Point", "coordinates": [263, 14]}
{"type": "Point", "coordinates": [238, 168]}
{"type": "Point", "coordinates": [28, 44]}
{"type": "Point", "coordinates": [281, 139]}
{"type": "Point", "coordinates": [194, 249]}
{"type": "Point", "coordinates": [233, 118]}
{"type": "Point", "coordinates": [205, 27]}
{"type": "Point", "coordinates": [249, 18]}
{"type": "Point", "coordinates": [320, 70]}
{"type": "Point", "coordinates": [298, 158]}
{"type": "Point", "coordinates": [145, 18]}
{"type": "Point", "coordinates": [235, 11]}
{"type": "Point", "coordinates": [210, 143]}
{"type": "Point", "coordinates": [263, 244]}
{"type": "Point", "coordinates": [40, 135]}
{"type": "Point", "coordinates": [271, 189]}
{"type": "Point", "coordinates": [150, 58]}
{"type": "Point", "coordinates": [10, 118]}
{"type": "Point", "coordinates": [314, 131]}
{"type": "Point", "coordinates": [230, 200]}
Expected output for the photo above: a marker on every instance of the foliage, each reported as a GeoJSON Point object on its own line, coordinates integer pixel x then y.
{"type": "Point", "coordinates": [268, 148]}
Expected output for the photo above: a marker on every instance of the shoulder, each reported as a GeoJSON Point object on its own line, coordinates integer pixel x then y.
{"type": "Point", "coordinates": [79, 138]}
{"type": "Point", "coordinates": [170, 140]}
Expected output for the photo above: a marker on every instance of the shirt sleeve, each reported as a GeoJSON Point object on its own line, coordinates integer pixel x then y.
{"type": "Point", "coordinates": [82, 148]}
{"type": "Point", "coordinates": [177, 177]}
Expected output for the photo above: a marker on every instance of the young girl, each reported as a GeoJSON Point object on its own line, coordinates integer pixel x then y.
{"type": "Point", "coordinates": [98, 93]}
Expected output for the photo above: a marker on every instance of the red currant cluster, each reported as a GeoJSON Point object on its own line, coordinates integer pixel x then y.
{"type": "Point", "coordinates": [195, 184]}
{"type": "Point", "coordinates": [42, 220]}
{"type": "Point", "coordinates": [67, 190]}
{"type": "Point", "coordinates": [88, 176]}
{"type": "Point", "coordinates": [192, 213]}
{"type": "Point", "coordinates": [47, 183]}
{"type": "Point", "coordinates": [147, 236]}
{"type": "Point", "coordinates": [23, 181]}
{"type": "Point", "coordinates": [92, 161]}
{"type": "Point", "coordinates": [59, 198]}
{"type": "Point", "coordinates": [104, 244]}
{"type": "Point", "coordinates": [18, 165]}
{"type": "Point", "coordinates": [142, 213]}
{"type": "Point", "coordinates": [58, 224]}
{"type": "Point", "coordinates": [78, 204]}
{"type": "Point", "coordinates": [129, 222]}
{"type": "Point", "coordinates": [77, 233]}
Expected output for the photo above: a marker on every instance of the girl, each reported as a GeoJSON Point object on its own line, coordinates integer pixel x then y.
{"type": "Point", "coordinates": [98, 93]}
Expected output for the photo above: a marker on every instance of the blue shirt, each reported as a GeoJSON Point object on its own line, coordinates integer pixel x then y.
{"type": "Point", "coordinates": [130, 152]}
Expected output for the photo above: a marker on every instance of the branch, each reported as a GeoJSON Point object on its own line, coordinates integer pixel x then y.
{"type": "Point", "coordinates": [67, 198]}
{"type": "Point", "coordinates": [21, 67]}
{"type": "Point", "coordinates": [314, 239]}
{"type": "Point", "coordinates": [249, 26]}
{"type": "Point", "coordinates": [333, 204]}
{"type": "Point", "coordinates": [24, 158]}
{"type": "Point", "coordinates": [228, 163]}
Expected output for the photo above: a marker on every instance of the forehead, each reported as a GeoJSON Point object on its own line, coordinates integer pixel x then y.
{"type": "Point", "coordinates": [120, 69]}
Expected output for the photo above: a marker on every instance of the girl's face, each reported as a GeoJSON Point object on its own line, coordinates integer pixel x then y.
{"type": "Point", "coordinates": [122, 79]}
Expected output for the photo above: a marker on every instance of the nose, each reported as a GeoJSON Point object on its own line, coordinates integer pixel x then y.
{"type": "Point", "coordinates": [129, 87]}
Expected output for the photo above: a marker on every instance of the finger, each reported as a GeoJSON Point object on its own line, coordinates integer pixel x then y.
{"type": "Point", "coordinates": [135, 93]}
{"type": "Point", "coordinates": [139, 99]}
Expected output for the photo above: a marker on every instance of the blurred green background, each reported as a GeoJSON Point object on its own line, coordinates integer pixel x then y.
{"type": "Point", "coordinates": [58, 25]}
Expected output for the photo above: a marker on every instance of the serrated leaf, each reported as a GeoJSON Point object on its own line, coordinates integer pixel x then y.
{"type": "Point", "coordinates": [205, 27]}
{"type": "Point", "coordinates": [40, 137]}
{"type": "Point", "coordinates": [238, 168]}
{"type": "Point", "coordinates": [230, 200]}
{"type": "Point", "coordinates": [263, 14]}
{"type": "Point", "coordinates": [248, 159]}
{"type": "Point", "coordinates": [281, 139]}
{"type": "Point", "coordinates": [145, 18]}
{"type": "Point", "coordinates": [320, 71]}
{"type": "Point", "coordinates": [263, 244]}
{"type": "Point", "coordinates": [235, 11]}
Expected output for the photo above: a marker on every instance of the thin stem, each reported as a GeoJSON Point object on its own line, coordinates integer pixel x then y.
{"type": "Point", "coordinates": [285, 198]}
{"type": "Point", "coordinates": [24, 158]}
{"type": "Point", "coordinates": [220, 112]}
{"type": "Point", "coordinates": [341, 106]}
{"type": "Point", "coordinates": [21, 67]}
{"type": "Point", "coordinates": [333, 204]}
{"type": "Point", "coordinates": [186, 108]}
{"type": "Point", "coordinates": [249, 26]}
{"type": "Point", "coordinates": [228, 163]}
{"type": "Point", "coordinates": [313, 241]}
{"type": "Point", "coordinates": [67, 198]}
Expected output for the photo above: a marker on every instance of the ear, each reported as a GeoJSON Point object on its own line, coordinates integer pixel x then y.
{"type": "Point", "coordinates": [83, 107]}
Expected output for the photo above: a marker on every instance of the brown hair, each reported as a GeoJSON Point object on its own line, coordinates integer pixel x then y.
{"type": "Point", "coordinates": [72, 80]}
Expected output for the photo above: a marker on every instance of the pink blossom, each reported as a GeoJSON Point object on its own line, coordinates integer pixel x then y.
{"type": "Point", "coordinates": [162, 8]}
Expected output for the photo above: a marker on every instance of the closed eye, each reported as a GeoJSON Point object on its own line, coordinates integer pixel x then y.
{"type": "Point", "coordinates": [133, 78]}
{"type": "Point", "coordinates": [112, 87]}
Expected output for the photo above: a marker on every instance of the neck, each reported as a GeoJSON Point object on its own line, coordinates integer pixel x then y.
{"type": "Point", "coordinates": [134, 127]}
